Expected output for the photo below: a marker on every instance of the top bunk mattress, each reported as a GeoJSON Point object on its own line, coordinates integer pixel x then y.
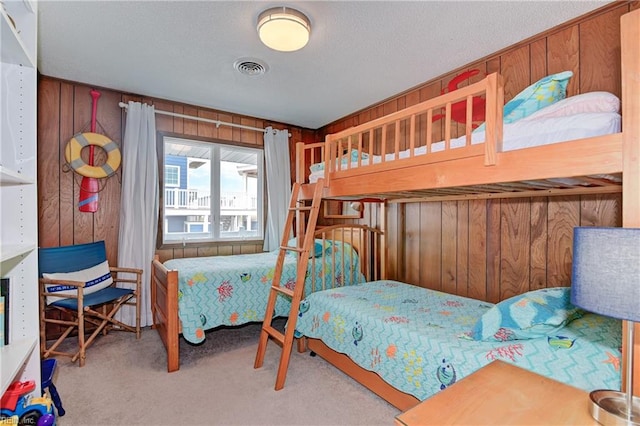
{"type": "Point", "coordinates": [521, 134]}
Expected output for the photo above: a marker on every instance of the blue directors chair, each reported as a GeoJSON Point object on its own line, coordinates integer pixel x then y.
{"type": "Point", "coordinates": [80, 291]}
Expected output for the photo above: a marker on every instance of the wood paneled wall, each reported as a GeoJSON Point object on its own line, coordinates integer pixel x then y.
{"type": "Point", "coordinates": [468, 247]}
{"type": "Point", "coordinates": [493, 249]}
{"type": "Point", "coordinates": [589, 46]}
{"type": "Point", "coordinates": [64, 109]}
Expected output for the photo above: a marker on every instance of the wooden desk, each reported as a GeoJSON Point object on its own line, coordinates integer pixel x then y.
{"type": "Point", "coordinates": [502, 394]}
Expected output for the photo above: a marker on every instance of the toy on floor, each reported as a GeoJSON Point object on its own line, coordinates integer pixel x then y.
{"type": "Point", "coordinates": [16, 402]}
{"type": "Point", "coordinates": [47, 369]}
{"type": "Point", "coordinates": [47, 420]}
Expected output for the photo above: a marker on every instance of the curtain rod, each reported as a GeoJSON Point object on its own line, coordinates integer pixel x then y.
{"type": "Point", "coordinates": [218, 123]}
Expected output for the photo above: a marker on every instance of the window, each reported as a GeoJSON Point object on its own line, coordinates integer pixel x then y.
{"type": "Point", "coordinates": [171, 175]}
{"type": "Point", "coordinates": [211, 191]}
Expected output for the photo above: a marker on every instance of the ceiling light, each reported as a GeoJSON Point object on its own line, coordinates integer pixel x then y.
{"type": "Point", "coordinates": [284, 29]}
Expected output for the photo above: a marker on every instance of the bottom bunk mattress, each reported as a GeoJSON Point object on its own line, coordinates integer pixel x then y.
{"type": "Point", "coordinates": [418, 340]}
{"type": "Point", "coordinates": [233, 290]}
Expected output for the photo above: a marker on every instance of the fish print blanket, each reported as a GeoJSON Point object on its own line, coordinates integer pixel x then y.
{"type": "Point", "coordinates": [233, 290]}
{"type": "Point", "coordinates": [413, 338]}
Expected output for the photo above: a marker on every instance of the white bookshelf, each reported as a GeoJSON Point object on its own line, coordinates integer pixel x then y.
{"type": "Point", "coordinates": [20, 359]}
{"type": "Point", "coordinates": [14, 357]}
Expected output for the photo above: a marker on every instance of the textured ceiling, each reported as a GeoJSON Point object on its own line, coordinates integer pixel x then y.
{"type": "Point", "coordinates": [359, 52]}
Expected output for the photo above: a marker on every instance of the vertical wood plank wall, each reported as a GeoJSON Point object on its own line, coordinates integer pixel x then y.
{"type": "Point", "coordinates": [64, 109]}
{"type": "Point", "coordinates": [493, 249]}
{"type": "Point", "coordinates": [488, 249]}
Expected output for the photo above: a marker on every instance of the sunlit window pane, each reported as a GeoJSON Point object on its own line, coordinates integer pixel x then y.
{"type": "Point", "coordinates": [195, 173]}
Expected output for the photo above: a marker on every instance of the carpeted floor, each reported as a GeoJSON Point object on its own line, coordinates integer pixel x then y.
{"type": "Point", "coordinates": [124, 382]}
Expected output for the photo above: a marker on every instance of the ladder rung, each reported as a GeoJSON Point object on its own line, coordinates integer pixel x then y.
{"type": "Point", "coordinates": [291, 248]}
{"type": "Point", "coordinates": [283, 290]}
{"type": "Point", "coordinates": [286, 339]}
{"type": "Point", "coordinates": [276, 334]}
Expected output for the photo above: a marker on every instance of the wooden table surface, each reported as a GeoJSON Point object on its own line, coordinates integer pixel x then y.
{"type": "Point", "coordinates": [502, 394]}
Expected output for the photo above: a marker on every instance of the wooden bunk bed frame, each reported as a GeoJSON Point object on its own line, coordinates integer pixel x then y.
{"type": "Point", "coordinates": [368, 242]}
{"type": "Point", "coordinates": [479, 171]}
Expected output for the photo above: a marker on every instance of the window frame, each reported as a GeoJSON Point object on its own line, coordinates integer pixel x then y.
{"type": "Point", "coordinates": [177, 185]}
{"type": "Point", "coordinates": [215, 192]}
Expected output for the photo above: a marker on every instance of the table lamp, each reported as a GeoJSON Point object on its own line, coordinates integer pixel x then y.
{"type": "Point", "coordinates": [606, 281]}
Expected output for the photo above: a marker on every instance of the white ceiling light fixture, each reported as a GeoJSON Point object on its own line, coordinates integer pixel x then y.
{"type": "Point", "coordinates": [284, 29]}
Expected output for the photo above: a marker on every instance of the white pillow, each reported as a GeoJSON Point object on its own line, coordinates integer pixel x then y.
{"type": "Point", "coordinates": [586, 102]}
{"type": "Point", "coordinates": [95, 278]}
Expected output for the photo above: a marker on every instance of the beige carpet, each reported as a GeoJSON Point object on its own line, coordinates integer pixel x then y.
{"type": "Point", "coordinates": [124, 382]}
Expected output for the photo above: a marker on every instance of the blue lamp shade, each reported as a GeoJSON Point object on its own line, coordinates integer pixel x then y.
{"type": "Point", "coordinates": [606, 271]}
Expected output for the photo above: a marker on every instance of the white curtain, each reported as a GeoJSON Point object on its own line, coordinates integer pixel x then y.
{"type": "Point", "coordinates": [276, 153]}
{"type": "Point", "coordinates": [139, 203]}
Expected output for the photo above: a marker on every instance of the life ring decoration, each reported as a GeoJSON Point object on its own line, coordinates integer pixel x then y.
{"type": "Point", "coordinates": [75, 161]}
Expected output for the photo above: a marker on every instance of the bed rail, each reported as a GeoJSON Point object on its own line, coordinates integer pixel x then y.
{"type": "Point", "coordinates": [369, 247]}
{"type": "Point", "coordinates": [411, 130]}
{"type": "Point", "coordinates": [407, 156]}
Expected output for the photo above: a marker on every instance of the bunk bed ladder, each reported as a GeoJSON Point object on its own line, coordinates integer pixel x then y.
{"type": "Point", "coordinates": [297, 210]}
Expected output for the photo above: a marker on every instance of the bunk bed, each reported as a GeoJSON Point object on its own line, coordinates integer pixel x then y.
{"type": "Point", "coordinates": [193, 295]}
{"type": "Point", "coordinates": [394, 157]}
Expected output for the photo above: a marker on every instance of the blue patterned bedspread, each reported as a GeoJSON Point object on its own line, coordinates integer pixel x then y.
{"type": "Point", "coordinates": [233, 290]}
{"type": "Point", "coordinates": [410, 336]}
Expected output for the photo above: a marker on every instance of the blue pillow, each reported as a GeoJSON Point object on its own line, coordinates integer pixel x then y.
{"type": "Point", "coordinates": [346, 158]}
{"type": "Point", "coordinates": [544, 92]}
{"type": "Point", "coordinates": [527, 316]}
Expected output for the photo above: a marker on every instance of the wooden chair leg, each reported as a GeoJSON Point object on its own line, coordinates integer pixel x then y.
{"type": "Point", "coordinates": [102, 318]}
{"type": "Point", "coordinates": [138, 316]}
{"type": "Point", "coordinates": [105, 330]}
{"type": "Point", "coordinates": [81, 347]}
{"type": "Point", "coordinates": [52, 350]}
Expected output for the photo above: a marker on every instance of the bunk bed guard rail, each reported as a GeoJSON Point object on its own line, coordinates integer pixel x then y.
{"type": "Point", "coordinates": [394, 139]}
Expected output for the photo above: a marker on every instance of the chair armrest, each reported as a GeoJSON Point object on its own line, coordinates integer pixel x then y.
{"type": "Point", "coordinates": [126, 270]}
{"type": "Point", "coordinates": [44, 294]}
{"type": "Point", "coordinates": [78, 284]}
{"type": "Point", "coordinates": [137, 279]}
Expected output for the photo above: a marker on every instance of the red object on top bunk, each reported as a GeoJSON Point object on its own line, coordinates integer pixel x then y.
{"type": "Point", "coordinates": [459, 109]}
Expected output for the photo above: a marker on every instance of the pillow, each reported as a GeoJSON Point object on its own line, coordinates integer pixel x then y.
{"type": "Point", "coordinates": [317, 167]}
{"type": "Point", "coordinates": [316, 251]}
{"type": "Point", "coordinates": [94, 279]}
{"type": "Point", "coordinates": [527, 316]}
{"type": "Point", "coordinates": [353, 156]}
{"type": "Point", "coordinates": [346, 158]}
{"type": "Point", "coordinates": [544, 92]}
{"type": "Point", "coordinates": [578, 104]}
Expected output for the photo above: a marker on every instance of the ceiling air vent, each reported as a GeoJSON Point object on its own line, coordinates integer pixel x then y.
{"type": "Point", "coordinates": [250, 67]}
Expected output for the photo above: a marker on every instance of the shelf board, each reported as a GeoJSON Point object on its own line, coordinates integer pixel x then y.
{"type": "Point", "coordinates": [13, 50]}
{"type": "Point", "coordinates": [12, 358]}
{"type": "Point", "coordinates": [11, 251]}
{"type": "Point", "coordinates": [11, 177]}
